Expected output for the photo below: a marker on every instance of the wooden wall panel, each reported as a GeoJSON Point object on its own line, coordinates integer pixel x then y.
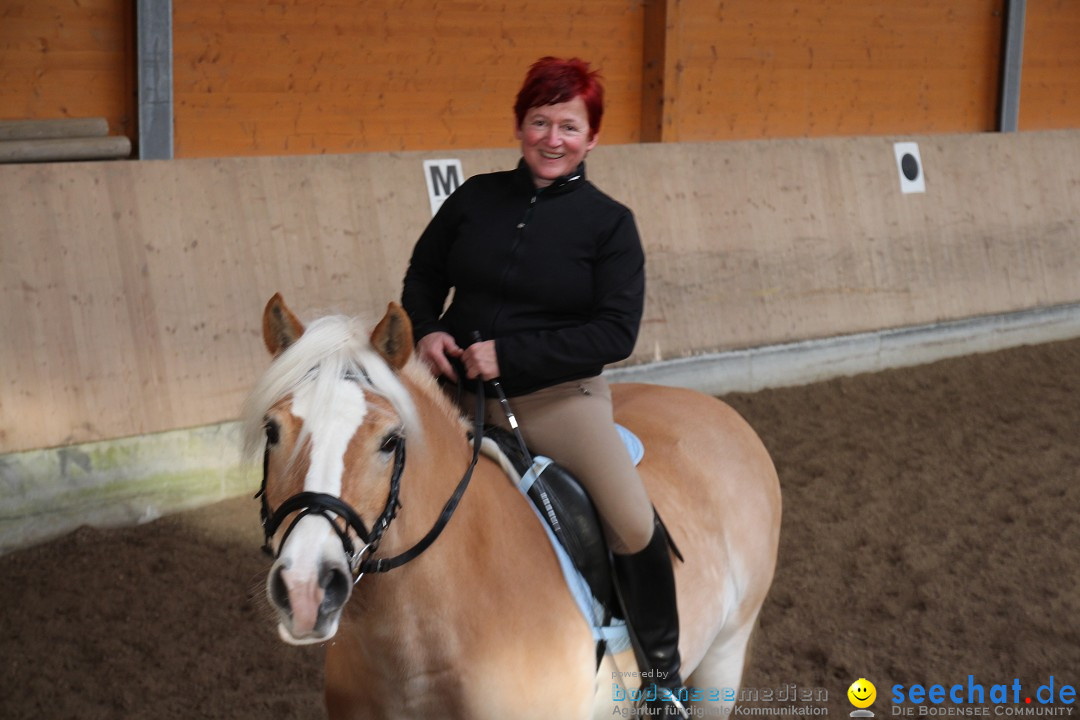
{"type": "Point", "coordinates": [763, 242]}
{"type": "Point", "coordinates": [743, 69]}
{"type": "Point", "coordinates": [254, 78]}
{"type": "Point", "coordinates": [1050, 78]}
{"type": "Point", "coordinates": [61, 59]}
{"type": "Point", "coordinates": [132, 292]}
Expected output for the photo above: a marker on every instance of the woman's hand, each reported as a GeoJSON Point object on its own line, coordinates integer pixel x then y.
{"type": "Point", "coordinates": [481, 361]}
{"type": "Point", "coordinates": [436, 349]}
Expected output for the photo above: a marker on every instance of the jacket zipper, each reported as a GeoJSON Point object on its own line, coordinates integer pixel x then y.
{"type": "Point", "coordinates": [512, 260]}
{"type": "Point", "coordinates": [526, 218]}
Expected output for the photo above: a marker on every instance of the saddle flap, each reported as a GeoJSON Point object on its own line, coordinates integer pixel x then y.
{"type": "Point", "coordinates": [568, 510]}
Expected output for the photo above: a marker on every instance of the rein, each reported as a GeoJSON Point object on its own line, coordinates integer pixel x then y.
{"type": "Point", "coordinates": [333, 508]}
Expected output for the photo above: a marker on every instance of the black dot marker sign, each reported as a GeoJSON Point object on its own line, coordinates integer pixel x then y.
{"type": "Point", "coordinates": [910, 168]}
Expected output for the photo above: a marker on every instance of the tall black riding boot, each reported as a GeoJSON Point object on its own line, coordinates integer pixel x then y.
{"type": "Point", "coordinates": [646, 587]}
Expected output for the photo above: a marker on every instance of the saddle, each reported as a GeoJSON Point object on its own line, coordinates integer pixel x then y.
{"type": "Point", "coordinates": [568, 510]}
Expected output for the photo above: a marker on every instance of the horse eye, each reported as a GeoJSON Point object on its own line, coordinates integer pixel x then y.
{"type": "Point", "coordinates": [273, 433]}
{"type": "Point", "coordinates": [390, 442]}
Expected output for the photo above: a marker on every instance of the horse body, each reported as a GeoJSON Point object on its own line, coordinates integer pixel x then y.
{"type": "Point", "coordinates": [481, 625]}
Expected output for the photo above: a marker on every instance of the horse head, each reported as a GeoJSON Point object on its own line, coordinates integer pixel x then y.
{"type": "Point", "coordinates": [330, 416]}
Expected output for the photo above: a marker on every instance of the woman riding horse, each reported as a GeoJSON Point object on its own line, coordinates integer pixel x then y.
{"type": "Point", "coordinates": [550, 272]}
{"type": "Point", "coordinates": [458, 606]}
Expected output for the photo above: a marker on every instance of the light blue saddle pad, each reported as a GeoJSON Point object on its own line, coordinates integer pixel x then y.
{"type": "Point", "coordinates": [632, 443]}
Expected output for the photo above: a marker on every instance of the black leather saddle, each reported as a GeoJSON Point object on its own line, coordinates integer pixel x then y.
{"type": "Point", "coordinates": [568, 510]}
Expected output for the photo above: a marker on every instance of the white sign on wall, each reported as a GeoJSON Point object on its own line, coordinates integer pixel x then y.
{"type": "Point", "coordinates": [909, 165]}
{"type": "Point", "coordinates": [443, 177]}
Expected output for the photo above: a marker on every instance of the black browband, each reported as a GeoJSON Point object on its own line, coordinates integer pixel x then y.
{"type": "Point", "coordinates": [332, 508]}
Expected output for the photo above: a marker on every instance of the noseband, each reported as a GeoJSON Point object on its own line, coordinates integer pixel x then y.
{"type": "Point", "coordinates": [333, 509]}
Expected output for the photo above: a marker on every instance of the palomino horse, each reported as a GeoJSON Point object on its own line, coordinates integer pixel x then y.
{"type": "Point", "coordinates": [480, 623]}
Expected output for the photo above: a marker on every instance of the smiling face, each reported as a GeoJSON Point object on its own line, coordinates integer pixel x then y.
{"type": "Point", "coordinates": [555, 139]}
{"type": "Point", "coordinates": [862, 693]}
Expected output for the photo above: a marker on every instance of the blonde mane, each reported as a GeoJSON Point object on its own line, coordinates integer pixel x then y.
{"type": "Point", "coordinates": [331, 348]}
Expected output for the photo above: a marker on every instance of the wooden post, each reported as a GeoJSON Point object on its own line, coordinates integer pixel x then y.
{"type": "Point", "coordinates": [654, 66]}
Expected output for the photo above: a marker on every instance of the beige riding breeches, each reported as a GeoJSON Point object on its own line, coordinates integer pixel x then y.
{"type": "Point", "coordinates": [572, 423]}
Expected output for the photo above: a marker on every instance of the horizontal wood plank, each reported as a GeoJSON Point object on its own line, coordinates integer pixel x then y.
{"type": "Point", "coordinates": [136, 289]}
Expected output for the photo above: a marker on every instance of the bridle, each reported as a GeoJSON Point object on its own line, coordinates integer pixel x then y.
{"type": "Point", "coordinates": [334, 509]}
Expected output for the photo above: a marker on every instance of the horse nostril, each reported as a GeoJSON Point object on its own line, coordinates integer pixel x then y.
{"type": "Point", "coordinates": [336, 586]}
{"type": "Point", "coordinates": [279, 593]}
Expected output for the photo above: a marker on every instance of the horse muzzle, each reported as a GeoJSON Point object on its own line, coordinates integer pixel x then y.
{"type": "Point", "coordinates": [308, 604]}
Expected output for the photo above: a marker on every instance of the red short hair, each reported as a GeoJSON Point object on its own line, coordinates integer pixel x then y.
{"type": "Point", "coordinates": [552, 80]}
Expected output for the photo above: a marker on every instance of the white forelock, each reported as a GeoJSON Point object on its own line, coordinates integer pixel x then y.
{"type": "Point", "coordinates": [331, 348]}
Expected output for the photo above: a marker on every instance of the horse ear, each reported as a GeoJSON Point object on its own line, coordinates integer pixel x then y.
{"type": "Point", "coordinates": [392, 337]}
{"type": "Point", "coordinates": [280, 327]}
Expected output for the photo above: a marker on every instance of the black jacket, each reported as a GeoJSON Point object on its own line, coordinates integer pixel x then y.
{"type": "Point", "coordinates": [555, 276]}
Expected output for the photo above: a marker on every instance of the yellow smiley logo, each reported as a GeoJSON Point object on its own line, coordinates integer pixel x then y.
{"type": "Point", "coordinates": [862, 693]}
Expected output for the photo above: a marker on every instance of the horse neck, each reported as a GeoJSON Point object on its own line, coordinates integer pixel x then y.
{"type": "Point", "coordinates": [436, 462]}
{"type": "Point", "coordinates": [434, 466]}
{"type": "Point", "coordinates": [452, 604]}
